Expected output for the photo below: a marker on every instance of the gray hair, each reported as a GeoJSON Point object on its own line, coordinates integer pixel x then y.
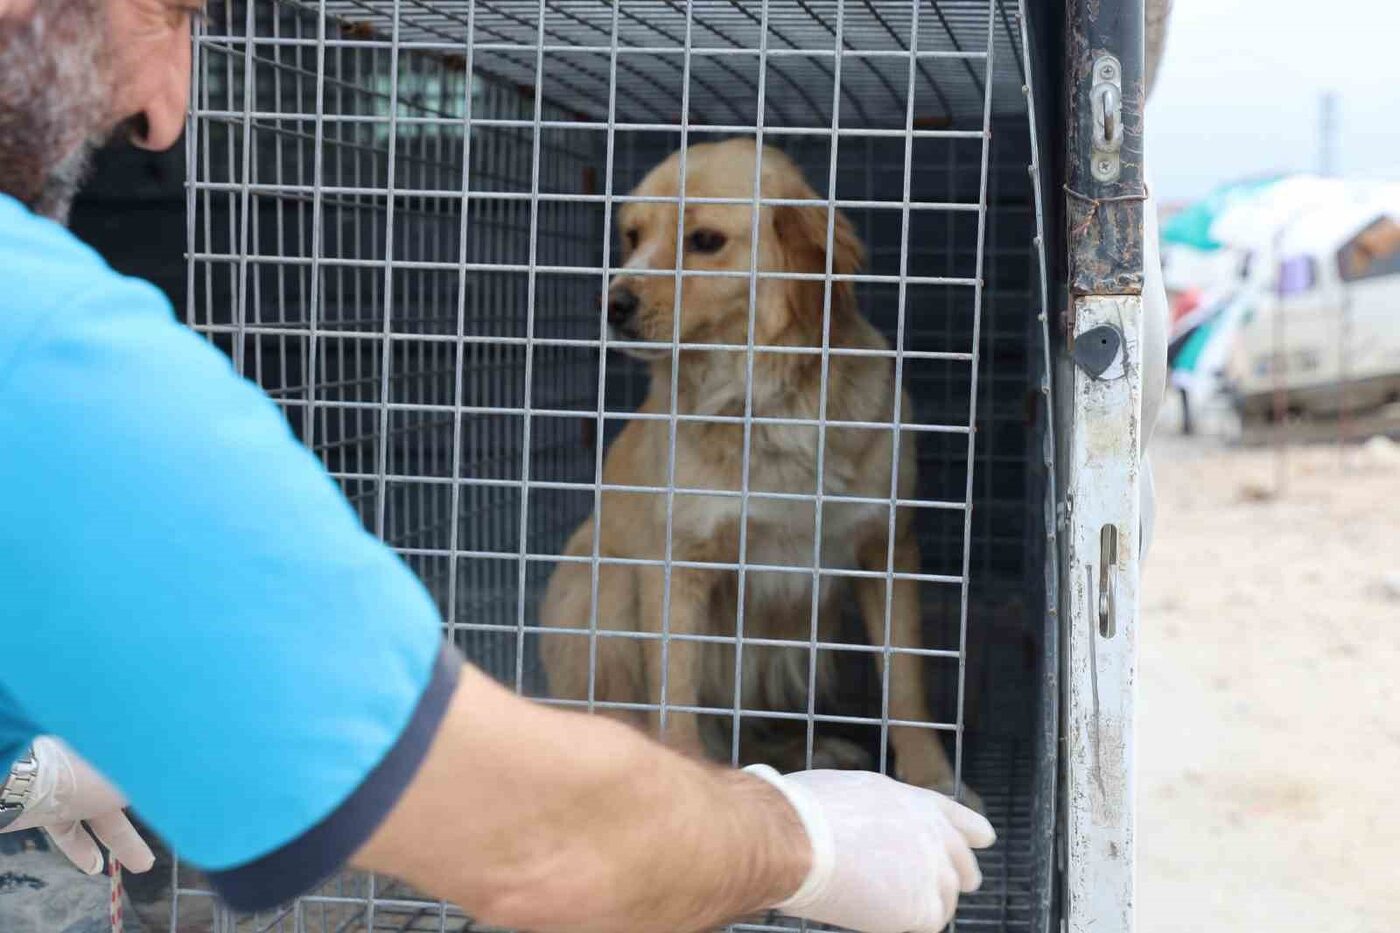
{"type": "Point", "coordinates": [54, 101]}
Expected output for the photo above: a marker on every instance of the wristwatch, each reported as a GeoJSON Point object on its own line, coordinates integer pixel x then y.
{"type": "Point", "coordinates": [15, 791]}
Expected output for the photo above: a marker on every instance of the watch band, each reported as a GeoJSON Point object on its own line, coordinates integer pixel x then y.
{"type": "Point", "coordinates": [15, 791]}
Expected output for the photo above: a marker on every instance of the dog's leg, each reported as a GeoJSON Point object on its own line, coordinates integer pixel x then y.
{"type": "Point", "coordinates": [676, 664]}
{"type": "Point", "coordinates": [567, 656]}
{"type": "Point", "coordinates": [919, 754]}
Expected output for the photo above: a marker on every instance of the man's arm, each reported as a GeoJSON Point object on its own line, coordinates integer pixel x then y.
{"type": "Point", "coordinates": [536, 818]}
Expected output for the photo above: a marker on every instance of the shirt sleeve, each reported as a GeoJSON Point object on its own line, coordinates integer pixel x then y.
{"type": "Point", "coordinates": [190, 601]}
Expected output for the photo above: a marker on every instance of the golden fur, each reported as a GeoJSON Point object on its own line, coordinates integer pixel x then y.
{"type": "Point", "coordinates": [709, 456]}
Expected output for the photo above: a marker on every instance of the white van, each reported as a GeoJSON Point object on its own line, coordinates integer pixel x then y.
{"type": "Point", "coordinates": [1327, 334]}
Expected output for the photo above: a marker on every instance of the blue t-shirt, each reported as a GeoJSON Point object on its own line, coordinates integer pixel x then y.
{"type": "Point", "coordinates": [185, 595]}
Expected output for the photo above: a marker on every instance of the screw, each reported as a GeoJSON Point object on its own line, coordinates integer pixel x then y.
{"type": "Point", "coordinates": [1105, 166]}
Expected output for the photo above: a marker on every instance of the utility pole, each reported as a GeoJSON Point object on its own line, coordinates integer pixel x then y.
{"type": "Point", "coordinates": [1327, 134]}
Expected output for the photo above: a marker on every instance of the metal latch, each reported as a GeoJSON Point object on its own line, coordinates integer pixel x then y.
{"type": "Point", "coordinates": [1108, 580]}
{"type": "Point", "coordinates": [1106, 109]}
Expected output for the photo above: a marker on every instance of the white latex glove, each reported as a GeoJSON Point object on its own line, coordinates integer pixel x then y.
{"type": "Point", "coordinates": [886, 857]}
{"type": "Point", "coordinates": [67, 793]}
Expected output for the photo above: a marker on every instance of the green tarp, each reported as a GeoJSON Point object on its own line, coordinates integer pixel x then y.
{"type": "Point", "coordinates": [1191, 353]}
{"type": "Point", "coordinates": [1191, 227]}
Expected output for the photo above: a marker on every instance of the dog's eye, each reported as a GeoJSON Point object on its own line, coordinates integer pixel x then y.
{"type": "Point", "coordinates": [629, 239]}
{"type": "Point", "coordinates": [705, 241]}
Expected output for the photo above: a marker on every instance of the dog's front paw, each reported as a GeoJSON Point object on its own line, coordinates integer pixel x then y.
{"type": "Point", "coordinates": [965, 796]}
{"type": "Point", "coordinates": [942, 781]}
{"type": "Point", "coordinates": [839, 755]}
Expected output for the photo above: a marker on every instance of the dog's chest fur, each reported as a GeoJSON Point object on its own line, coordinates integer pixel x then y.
{"type": "Point", "coordinates": [783, 458]}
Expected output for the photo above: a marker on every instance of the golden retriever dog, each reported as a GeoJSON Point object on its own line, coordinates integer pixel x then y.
{"type": "Point", "coordinates": [785, 459]}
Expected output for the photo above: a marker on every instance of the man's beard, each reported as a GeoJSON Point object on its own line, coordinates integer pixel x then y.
{"type": "Point", "coordinates": [54, 101]}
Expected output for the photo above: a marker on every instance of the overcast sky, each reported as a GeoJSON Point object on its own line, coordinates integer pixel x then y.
{"type": "Point", "coordinates": [1239, 87]}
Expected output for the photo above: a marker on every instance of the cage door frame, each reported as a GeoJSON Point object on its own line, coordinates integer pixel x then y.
{"type": "Point", "coordinates": [1101, 570]}
{"type": "Point", "coordinates": [1101, 375]}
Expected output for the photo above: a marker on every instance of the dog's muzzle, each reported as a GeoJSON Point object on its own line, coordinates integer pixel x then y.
{"type": "Point", "coordinates": [622, 309]}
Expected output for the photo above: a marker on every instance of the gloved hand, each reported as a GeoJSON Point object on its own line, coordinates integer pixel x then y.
{"type": "Point", "coordinates": [67, 793]}
{"type": "Point", "coordinates": [886, 857]}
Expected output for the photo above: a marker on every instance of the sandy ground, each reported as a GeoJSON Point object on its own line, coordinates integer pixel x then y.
{"type": "Point", "coordinates": [1270, 729]}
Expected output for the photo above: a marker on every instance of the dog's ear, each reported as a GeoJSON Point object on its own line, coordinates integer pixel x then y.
{"type": "Point", "coordinates": [848, 252]}
{"type": "Point", "coordinates": [802, 233]}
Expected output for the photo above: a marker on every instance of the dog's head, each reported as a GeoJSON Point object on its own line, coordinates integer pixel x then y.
{"type": "Point", "coordinates": [720, 237]}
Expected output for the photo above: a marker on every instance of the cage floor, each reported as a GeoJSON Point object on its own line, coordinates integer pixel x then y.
{"type": "Point", "coordinates": [999, 762]}
{"type": "Point", "coordinates": [1002, 770]}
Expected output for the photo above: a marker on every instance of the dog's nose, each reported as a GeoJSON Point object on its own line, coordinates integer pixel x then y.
{"type": "Point", "coordinates": [622, 305]}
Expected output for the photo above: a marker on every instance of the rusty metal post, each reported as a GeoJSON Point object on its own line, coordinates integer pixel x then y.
{"type": "Point", "coordinates": [1104, 181]}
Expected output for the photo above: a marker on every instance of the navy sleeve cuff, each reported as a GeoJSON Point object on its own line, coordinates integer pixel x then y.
{"type": "Point", "coordinates": [305, 862]}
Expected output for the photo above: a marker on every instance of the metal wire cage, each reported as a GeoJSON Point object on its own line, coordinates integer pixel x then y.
{"type": "Point", "coordinates": [400, 224]}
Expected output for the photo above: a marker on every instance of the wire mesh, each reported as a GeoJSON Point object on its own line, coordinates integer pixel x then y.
{"type": "Point", "coordinates": [401, 224]}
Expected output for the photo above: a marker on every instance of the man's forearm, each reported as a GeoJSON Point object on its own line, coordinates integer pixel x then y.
{"type": "Point", "coordinates": [536, 818]}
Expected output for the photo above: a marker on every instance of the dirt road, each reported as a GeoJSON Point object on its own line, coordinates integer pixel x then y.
{"type": "Point", "coordinates": [1270, 712]}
